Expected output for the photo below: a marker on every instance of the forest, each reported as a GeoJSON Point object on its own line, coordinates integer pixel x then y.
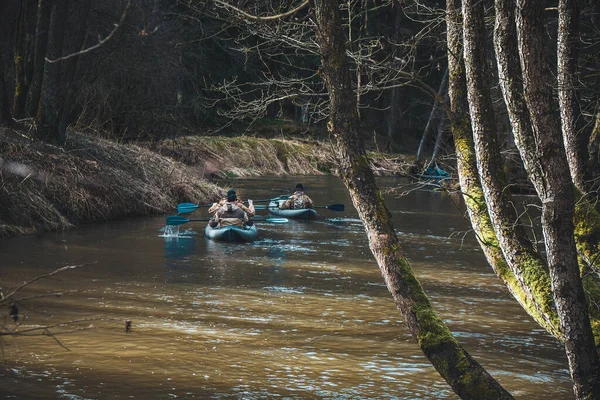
{"type": "Point", "coordinates": [503, 88]}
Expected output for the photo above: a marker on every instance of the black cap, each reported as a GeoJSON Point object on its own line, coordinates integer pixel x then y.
{"type": "Point", "coordinates": [231, 195]}
{"type": "Point", "coordinates": [299, 187]}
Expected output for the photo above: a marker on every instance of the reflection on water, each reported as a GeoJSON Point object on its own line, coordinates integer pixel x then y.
{"type": "Point", "coordinates": [300, 313]}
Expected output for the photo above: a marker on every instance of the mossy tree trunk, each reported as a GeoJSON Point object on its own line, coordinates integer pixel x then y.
{"type": "Point", "coordinates": [469, 180]}
{"type": "Point", "coordinates": [594, 145]}
{"type": "Point", "coordinates": [466, 377]}
{"type": "Point", "coordinates": [509, 69]}
{"type": "Point", "coordinates": [525, 262]}
{"type": "Point", "coordinates": [52, 95]}
{"type": "Point", "coordinates": [555, 189]}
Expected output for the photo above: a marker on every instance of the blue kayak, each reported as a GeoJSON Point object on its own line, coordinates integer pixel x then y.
{"type": "Point", "coordinates": [303, 213]}
{"type": "Point", "coordinates": [231, 233]}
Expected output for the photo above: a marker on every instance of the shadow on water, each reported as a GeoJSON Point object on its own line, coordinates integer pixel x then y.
{"type": "Point", "coordinates": [302, 312]}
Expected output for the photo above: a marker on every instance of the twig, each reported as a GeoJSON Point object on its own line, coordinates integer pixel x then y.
{"type": "Point", "coordinates": [58, 271]}
{"type": "Point", "coordinates": [26, 332]}
{"type": "Point", "coordinates": [48, 333]}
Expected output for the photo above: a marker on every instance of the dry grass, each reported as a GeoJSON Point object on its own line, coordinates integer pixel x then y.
{"type": "Point", "coordinates": [221, 157]}
{"type": "Point", "coordinates": [44, 187]}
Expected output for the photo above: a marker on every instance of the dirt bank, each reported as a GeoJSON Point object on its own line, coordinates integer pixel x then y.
{"type": "Point", "coordinates": [48, 188]}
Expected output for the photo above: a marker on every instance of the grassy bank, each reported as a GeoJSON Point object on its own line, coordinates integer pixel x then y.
{"type": "Point", "coordinates": [44, 187]}
{"type": "Point", "coordinates": [49, 188]}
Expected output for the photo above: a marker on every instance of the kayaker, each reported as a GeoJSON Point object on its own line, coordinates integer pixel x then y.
{"type": "Point", "coordinates": [230, 213]}
{"type": "Point", "coordinates": [238, 202]}
{"type": "Point", "coordinates": [298, 200]}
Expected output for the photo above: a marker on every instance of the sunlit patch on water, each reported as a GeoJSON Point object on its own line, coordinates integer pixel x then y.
{"type": "Point", "coordinates": [281, 289]}
{"type": "Point", "coordinates": [280, 247]}
{"type": "Point", "coordinates": [353, 221]}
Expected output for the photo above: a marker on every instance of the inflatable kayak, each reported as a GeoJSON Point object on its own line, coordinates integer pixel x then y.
{"type": "Point", "coordinates": [231, 233]}
{"type": "Point", "coordinates": [303, 213]}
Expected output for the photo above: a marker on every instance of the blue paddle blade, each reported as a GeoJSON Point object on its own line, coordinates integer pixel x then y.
{"type": "Point", "coordinates": [335, 207]}
{"type": "Point", "coordinates": [186, 209]}
{"type": "Point", "coordinates": [188, 205]}
{"type": "Point", "coordinates": [277, 220]}
{"type": "Point", "coordinates": [176, 220]}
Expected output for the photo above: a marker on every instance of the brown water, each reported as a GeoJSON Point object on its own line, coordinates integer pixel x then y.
{"type": "Point", "coordinates": [300, 313]}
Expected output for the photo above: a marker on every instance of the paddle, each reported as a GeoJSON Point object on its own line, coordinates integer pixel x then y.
{"type": "Point", "coordinates": [177, 220]}
{"type": "Point", "coordinates": [184, 208]}
{"type": "Point", "coordinates": [282, 197]}
{"type": "Point", "coordinates": [332, 207]}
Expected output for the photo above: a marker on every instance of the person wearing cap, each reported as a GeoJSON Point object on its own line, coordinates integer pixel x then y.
{"type": "Point", "coordinates": [232, 212]}
{"type": "Point", "coordinates": [298, 200]}
{"type": "Point", "coordinates": [239, 203]}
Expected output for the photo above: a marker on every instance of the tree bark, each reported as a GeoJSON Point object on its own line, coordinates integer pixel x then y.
{"type": "Point", "coordinates": [466, 377]}
{"type": "Point", "coordinates": [555, 189]}
{"type": "Point", "coordinates": [575, 141]}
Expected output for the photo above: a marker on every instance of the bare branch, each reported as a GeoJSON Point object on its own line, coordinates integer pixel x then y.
{"type": "Point", "coordinates": [268, 18]}
{"type": "Point", "coordinates": [100, 43]}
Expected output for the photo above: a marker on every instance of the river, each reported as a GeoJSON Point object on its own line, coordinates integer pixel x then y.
{"type": "Point", "coordinates": [303, 312]}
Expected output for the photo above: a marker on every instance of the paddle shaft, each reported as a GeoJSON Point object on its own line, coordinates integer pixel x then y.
{"type": "Point", "coordinates": [177, 220]}
{"type": "Point", "coordinates": [332, 207]}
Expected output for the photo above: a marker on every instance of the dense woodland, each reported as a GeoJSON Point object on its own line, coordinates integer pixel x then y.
{"type": "Point", "coordinates": [503, 83]}
{"type": "Point", "coordinates": [149, 69]}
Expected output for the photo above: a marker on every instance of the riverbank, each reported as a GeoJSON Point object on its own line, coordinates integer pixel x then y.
{"type": "Point", "coordinates": [49, 188]}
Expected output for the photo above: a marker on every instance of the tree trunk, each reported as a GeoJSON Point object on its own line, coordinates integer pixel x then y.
{"type": "Point", "coordinates": [467, 378]}
{"type": "Point", "coordinates": [434, 115]}
{"type": "Point", "coordinates": [52, 95]}
{"type": "Point", "coordinates": [5, 118]}
{"type": "Point", "coordinates": [594, 144]}
{"type": "Point", "coordinates": [437, 147]}
{"type": "Point", "coordinates": [394, 112]}
{"type": "Point", "coordinates": [555, 190]}
{"type": "Point", "coordinates": [574, 140]}
{"type": "Point", "coordinates": [24, 31]}
{"type": "Point", "coordinates": [7, 16]}
{"type": "Point", "coordinates": [521, 255]}
{"type": "Point", "coordinates": [509, 71]}
{"type": "Point", "coordinates": [469, 177]}
{"type": "Point", "coordinates": [65, 114]}
{"type": "Point", "coordinates": [39, 54]}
